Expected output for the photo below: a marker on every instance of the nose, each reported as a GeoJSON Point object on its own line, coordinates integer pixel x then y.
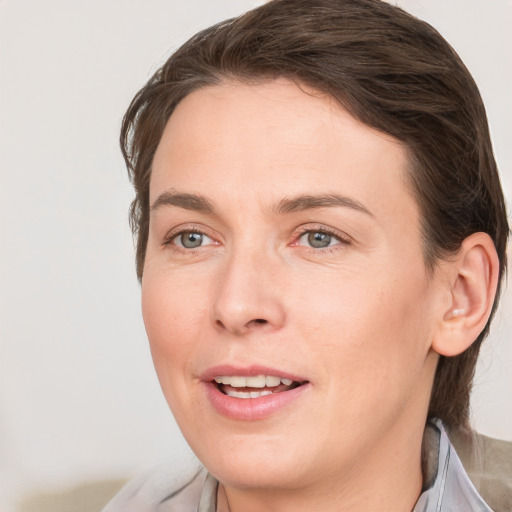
{"type": "Point", "coordinates": [248, 296]}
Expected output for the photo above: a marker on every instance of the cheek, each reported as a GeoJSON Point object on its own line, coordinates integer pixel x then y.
{"type": "Point", "coordinates": [372, 358]}
{"type": "Point", "coordinates": [172, 312]}
{"type": "Point", "coordinates": [367, 328]}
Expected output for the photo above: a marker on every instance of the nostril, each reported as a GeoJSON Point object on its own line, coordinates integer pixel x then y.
{"type": "Point", "coordinates": [239, 327]}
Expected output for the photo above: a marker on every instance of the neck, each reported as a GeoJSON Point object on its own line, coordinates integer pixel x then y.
{"type": "Point", "coordinates": [382, 481]}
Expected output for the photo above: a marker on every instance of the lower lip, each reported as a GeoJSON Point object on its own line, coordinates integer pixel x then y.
{"type": "Point", "coordinates": [251, 409]}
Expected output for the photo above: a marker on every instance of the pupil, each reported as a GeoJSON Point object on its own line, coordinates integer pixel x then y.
{"type": "Point", "coordinates": [319, 240]}
{"type": "Point", "coordinates": [191, 240]}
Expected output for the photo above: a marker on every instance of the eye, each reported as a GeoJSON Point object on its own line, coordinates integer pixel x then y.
{"type": "Point", "coordinates": [191, 240]}
{"type": "Point", "coordinates": [318, 239]}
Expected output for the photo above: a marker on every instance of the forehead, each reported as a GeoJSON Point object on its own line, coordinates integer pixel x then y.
{"type": "Point", "coordinates": [277, 138]}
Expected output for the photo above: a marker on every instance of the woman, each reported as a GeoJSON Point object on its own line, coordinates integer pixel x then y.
{"type": "Point", "coordinates": [321, 239]}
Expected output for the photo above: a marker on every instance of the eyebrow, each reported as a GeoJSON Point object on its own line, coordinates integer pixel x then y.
{"type": "Point", "coordinates": [308, 202]}
{"type": "Point", "coordinates": [288, 205]}
{"type": "Point", "coordinates": [186, 201]}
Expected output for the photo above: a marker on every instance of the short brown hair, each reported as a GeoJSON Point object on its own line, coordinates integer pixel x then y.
{"type": "Point", "coordinates": [388, 69]}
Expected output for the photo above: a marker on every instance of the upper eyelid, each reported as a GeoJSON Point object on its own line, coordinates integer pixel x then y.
{"type": "Point", "coordinates": [322, 229]}
{"type": "Point", "coordinates": [296, 233]}
{"type": "Point", "coordinates": [340, 241]}
{"type": "Point", "coordinates": [179, 230]}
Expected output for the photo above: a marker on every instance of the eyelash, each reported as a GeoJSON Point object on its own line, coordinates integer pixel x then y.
{"type": "Point", "coordinates": [343, 240]}
{"type": "Point", "coordinates": [173, 235]}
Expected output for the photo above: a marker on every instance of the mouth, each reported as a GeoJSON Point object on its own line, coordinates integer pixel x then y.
{"type": "Point", "coordinates": [251, 387]}
{"type": "Point", "coordinates": [251, 393]}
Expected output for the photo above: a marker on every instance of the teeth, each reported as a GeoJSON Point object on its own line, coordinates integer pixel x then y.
{"type": "Point", "coordinates": [238, 382]}
{"type": "Point", "coordinates": [247, 394]}
{"type": "Point", "coordinates": [272, 381]}
{"type": "Point", "coordinates": [259, 381]}
{"type": "Point", "coordinates": [256, 382]}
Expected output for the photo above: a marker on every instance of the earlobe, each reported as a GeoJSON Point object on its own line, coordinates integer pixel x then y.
{"type": "Point", "coordinates": [473, 278]}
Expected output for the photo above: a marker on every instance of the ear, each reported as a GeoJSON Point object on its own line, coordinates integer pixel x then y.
{"type": "Point", "coordinates": [472, 281]}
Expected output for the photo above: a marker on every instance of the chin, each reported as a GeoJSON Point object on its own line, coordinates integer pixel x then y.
{"type": "Point", "coordinates": [258, 474]}
{"type": "Point", "coordinates": [256, 460]}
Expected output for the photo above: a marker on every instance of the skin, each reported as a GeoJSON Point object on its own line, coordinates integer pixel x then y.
{"type": "Point", "coordinates": [356, 319]}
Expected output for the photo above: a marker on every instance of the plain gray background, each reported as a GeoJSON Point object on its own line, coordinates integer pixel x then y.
{"type": "Point", "coordinates": [78, 395]}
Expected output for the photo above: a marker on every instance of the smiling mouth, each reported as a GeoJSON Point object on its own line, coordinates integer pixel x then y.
{"type": "Point", "coordinates": [254, 386]}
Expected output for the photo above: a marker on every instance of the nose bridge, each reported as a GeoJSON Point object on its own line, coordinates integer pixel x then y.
{"type": "Point", "coordinates": [247, 295]}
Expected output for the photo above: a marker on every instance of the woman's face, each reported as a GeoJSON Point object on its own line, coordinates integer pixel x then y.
{"type": "Point", "coordinates": [284, 294]}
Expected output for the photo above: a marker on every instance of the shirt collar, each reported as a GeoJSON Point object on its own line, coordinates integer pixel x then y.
{"type": "Point", "coordinates": [449, 488]}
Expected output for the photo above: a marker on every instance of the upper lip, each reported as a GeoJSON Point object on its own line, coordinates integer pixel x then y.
{"type": "Point", "coordinates": [247, 371]}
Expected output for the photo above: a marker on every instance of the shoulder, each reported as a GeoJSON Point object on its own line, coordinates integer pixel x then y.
{"type": "Point", "coordinates": [447, 484]}
{"type": "Point", "coordinates": [174, 486]}
{"type": "Point", "coordinates": [488, 463]}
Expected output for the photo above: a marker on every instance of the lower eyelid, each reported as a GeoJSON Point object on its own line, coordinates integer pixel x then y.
{"type": "Point", "coordinates": [170, 239]}
{"type": "Point", "coordinates": [344, 240]}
